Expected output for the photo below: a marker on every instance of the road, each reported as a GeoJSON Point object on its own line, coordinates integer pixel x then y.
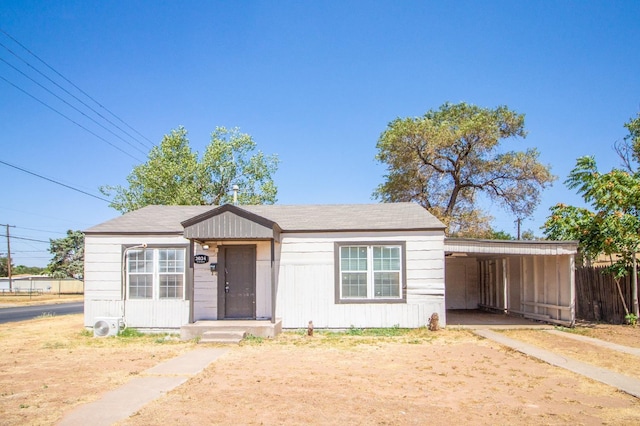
{"type": "Point", "coordinates": [22, 313]}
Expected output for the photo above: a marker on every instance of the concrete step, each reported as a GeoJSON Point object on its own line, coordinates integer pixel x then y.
{"type": "Point", "coordinates": [258, 328]}
{"type": "Point", "coordinates": [222, 336]}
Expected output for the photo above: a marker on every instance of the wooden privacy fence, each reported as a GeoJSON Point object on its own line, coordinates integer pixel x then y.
{"type": "Point", "coordinates": [597, 297]}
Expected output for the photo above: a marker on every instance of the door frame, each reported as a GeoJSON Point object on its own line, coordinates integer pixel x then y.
{"type": "Point", "coordinates": [222, 278]}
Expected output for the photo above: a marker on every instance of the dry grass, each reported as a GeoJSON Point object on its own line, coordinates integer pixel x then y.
{"type": "Point", "coordinates": [416, 377]}
{"type": "Point", "coordinates": [586, 352]}
{"type": "Point", "coordinates": [625, 335]}
{"type": "Point", "coordinates": [51, 365]}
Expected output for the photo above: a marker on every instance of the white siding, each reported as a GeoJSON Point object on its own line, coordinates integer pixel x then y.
{"type": "Point", "coordinates": [548, 287]}
{"type": "Point", "coordinates": [306, 282]}
{"type": "Point", "coordinates": [263, 280]}
{"type": "Point", "coordinates": [205, 288]}
{"type": "Point", "coordinates": [461, 283]}
{"type": "Point", "coordinates": [151, 314]}
{"type": "Point", "coordinates": [157, 314]}
{"type": "Point", "coordinates": [103, 285]}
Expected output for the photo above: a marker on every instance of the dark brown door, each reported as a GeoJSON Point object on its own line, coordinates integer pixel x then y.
{"type": "Point", "coordinates": [239, 282]}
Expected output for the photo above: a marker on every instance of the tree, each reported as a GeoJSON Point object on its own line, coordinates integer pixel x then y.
{"type": "Point", "coordinates": [4, 270]}
{"type": "Point", "coordinates": [612, 229]}
{"type": "Point", "coordinates": [68, 256]}
{"type": "Point", "coordinates": [228, 161]}
{"type": "Point", "coordinates": [445, 158]}
{"type": "Point", "coordinates": [30, 270]}
{"type": "Point", "coordinates": [173, 175]}
{"type": "Point", "coordinates": [528, 235]}
{"type": "Point", "coordinates": [500, 235]}
{"type": "Point", "coordinates": [629, 148]}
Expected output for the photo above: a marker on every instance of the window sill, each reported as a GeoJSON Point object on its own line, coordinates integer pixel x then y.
{"type": "Point", "coordinates": [368, 301]}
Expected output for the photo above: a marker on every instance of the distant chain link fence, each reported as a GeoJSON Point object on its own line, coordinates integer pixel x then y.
{"type": "Point", "coordinates": [41, 285]}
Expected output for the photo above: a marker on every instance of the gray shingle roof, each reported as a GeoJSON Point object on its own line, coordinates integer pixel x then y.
{"type": "Point", "coordinates": [303, 218]}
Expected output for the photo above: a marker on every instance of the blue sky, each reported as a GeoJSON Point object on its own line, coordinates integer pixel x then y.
{"type": "Point", "coordinates": [314, 82]}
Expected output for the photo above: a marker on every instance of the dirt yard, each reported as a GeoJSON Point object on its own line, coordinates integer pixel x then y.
{"type": "Point", "coordinates": [51, 365]}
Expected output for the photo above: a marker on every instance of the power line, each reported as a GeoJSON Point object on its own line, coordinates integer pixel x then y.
{"type": "Point", "coordinates": [41, 230]}
{"type": "Point", "coordinates": [32, 257]}
{"type": "Point", "coordinates": [29, 239]}
{"type": "Point", "coordinates": [72, 84]}
{"type": "Point", "coordinates": [54, 181]}
{"type": "Point", "coordinates": [65, 220]}
{"type": "Point", "coordinates": [71, 120]}
{"type": "Point", "coordinates": [72, 106]}
{"type": "Point", "coordinates": [68, 93]}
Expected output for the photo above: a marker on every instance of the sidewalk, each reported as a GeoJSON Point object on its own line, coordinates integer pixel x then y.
{"type": "Point", "coordinates": [591, 340]}
{"type": "Point", "coordinates": [122, 402]}
{"type": "Point", "coordinates": [624, 383]}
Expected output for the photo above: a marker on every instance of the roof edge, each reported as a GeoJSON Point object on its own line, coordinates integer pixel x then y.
{"type": "Point", "coordinates": [317, 231]}
{"type": "Point", "coordinates": [180, 233]}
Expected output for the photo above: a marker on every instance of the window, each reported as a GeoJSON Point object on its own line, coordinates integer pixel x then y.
{"type": "Point", "coordinates": [369, 272]}
{"type": "Point", "coordinates": [156, 273]}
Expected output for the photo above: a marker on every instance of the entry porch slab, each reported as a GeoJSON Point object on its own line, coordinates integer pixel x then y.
{"type": "Point", "coordinates": [257, 328]}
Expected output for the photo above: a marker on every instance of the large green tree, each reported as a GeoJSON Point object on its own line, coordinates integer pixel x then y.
{"type": "Point", "coordinates": [611, 226]}
{"type": "Point", "coordinates": [174, 175]}
{"type": "Point", "coordinates": [445, 158]}
{"type": "Point", "coordinates": [68, 256]}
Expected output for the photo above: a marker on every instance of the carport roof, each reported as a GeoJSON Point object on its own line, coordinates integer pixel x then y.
{"type": "Point", "coordinates": [454, 246]}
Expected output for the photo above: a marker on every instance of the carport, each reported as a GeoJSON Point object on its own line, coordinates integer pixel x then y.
{"type": "Point", "coordinates": [532, 279]}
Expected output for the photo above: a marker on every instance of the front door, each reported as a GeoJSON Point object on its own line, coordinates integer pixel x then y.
{"type": "Point", "coordinates": [239, 282]}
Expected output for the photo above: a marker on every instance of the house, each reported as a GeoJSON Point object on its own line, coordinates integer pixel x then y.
{"type": "Point", "coordinates": [370, 265]}
{"type": "Point", "coordinates": [161, 267]}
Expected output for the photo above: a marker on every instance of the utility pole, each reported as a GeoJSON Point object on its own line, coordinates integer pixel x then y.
{"type": "Point", "coordinates": [518, 222]}
{"type": "Point", "coordinates": [9, 258]}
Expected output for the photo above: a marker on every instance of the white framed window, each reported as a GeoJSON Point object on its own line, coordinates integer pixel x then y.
{"type": "Point", "coordinates": [370, 272]}
{"type": "Point", "coordinates": [156, 273]}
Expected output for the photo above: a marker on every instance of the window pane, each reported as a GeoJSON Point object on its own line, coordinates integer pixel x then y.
{"type": "Point", "coordinates": [141, 286]}
{"type": "Point", "coordinates": [171, 260]}
{"type": "Point", "coordinates": [140, 261]}
{"type": "Point", "coordinates": [171, 286]}
{"type": "Point", "coordinates": [386, 258]}
{"type": "Point", "coordinates": [354, 285]}
{"type": "Point", "coordinates": [387, 284]}
{"type": "Point", "coordinates": [353, 258]}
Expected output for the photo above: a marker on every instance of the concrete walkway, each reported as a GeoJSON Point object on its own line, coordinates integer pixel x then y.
{"type": "Point", "coordinates": [124, 401]}
{"type": "Point", "coordinates": [591, 340]}
{"type": "Point", "coordinates": [624, 383]}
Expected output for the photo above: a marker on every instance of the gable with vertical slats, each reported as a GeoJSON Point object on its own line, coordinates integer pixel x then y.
{"type": "Point", "coordinates": [229, 225]}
